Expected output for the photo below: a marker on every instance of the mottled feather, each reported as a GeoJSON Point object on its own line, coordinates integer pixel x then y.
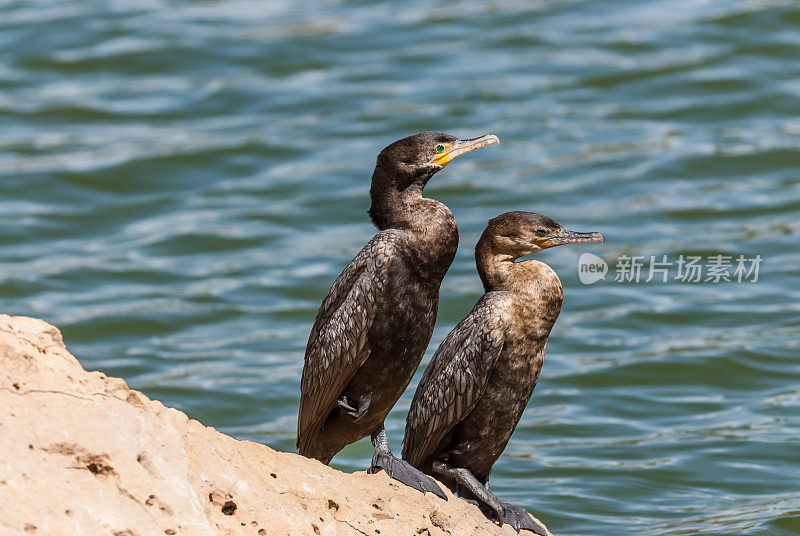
{"type": "Point", "coordinates": [337, 344]}
{"type": "Point", "coordinates": [455, 378]}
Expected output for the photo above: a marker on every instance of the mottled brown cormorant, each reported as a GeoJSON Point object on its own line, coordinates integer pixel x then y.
{"type": "Point", "coordinates": [377, 319]}
{"type": "Point", "coordinates": [479, 381]}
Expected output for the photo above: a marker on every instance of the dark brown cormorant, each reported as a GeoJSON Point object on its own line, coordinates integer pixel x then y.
{"type": "Point", "coordinates": [479, 381]}
{"type": "Point", "coordinates": [377, 319]}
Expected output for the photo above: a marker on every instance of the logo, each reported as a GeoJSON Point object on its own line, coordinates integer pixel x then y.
{"type": "Point", "coordinates": [591, 268]}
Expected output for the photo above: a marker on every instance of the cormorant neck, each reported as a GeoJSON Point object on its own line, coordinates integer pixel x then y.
{"type": "Point", "coordinates": [495, 269]}
{"type": "Point", "coordinates": [395, 206]}
{"type": "Point", "coordinates": [500, 271]}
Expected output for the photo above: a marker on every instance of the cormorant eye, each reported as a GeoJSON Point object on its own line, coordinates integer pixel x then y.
{"type": "Point", "coordinates": [541, 232]}
{"type": "Point", "coordinates": [439, 148]}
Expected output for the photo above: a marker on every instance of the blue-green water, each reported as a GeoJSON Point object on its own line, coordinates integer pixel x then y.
{"type": "Point", "coordinates": [180, 183]}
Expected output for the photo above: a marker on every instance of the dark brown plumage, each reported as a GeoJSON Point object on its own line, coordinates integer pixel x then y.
{"type": "Point", "coordinates": [479, 381]}
{"type": "Point", "coordinates": [377, 319]}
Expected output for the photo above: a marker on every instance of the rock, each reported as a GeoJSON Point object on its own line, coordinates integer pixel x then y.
{"type": "Point", "coordinates": [81, 453]}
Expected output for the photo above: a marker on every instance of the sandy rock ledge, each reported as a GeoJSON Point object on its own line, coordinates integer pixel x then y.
{"type": "Point", "coordinates": [82, 454]}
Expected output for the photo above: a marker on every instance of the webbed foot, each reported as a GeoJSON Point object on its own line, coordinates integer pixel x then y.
{"type": "Point", "coordinates": [520, 519]}
{"type": "Point", "coordinates": [405, 472]}
{"type": "Point", "coordinates": [490, 505]}
{"type": "Point", "coordinates": [347, 407]}
{"type": "Point", "coordinates": [399, 469]}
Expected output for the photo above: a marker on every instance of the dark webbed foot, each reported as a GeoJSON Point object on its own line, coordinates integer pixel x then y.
{"type": "Point", "coordinates": [399, 469]}
{"type": "Point", "coordinates": [404, 472]}
{"type": "Point", "coordinates": [346, 406]}
{"type": "Point", "coordinates": [519, 518]}
{"type": "Point", "coordinates": [490, 505]}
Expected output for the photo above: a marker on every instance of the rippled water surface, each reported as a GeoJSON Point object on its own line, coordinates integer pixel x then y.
{"type": "Point", "coordinates": [180, 183]}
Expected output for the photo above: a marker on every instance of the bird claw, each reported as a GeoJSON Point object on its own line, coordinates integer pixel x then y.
{"type": "Point", "coordinates": [404, 472]}
{"type": "Point", "coordinates": [520, 519]}
{"type": "Point", "coordinates": [492, 507]}
{"type": "Point", "coordinates": [345, 405]}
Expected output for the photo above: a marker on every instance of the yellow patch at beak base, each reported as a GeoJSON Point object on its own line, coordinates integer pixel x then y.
{"type": "Point", "coordinates": [462, 147]}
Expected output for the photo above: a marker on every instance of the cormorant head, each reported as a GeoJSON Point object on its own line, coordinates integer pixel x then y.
{"type": "Point", "coordinates": [521, 233]}
{"type": "Point", "coordinates": [418, 157]}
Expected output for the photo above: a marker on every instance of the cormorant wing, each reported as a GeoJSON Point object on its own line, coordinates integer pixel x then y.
{"type": "Point", "coordinates": [337, 343]}
{"type": "Point", "coordinates": [454, 380]}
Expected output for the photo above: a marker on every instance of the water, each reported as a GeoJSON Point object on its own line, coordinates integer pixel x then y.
{"type": "Point", "coordinates": [180, 183]}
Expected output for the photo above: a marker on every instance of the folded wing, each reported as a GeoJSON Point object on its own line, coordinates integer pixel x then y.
{"type": "Point", "coordinates": [454, 380]}
{"type": "Point", "coordinates": [338, 346]}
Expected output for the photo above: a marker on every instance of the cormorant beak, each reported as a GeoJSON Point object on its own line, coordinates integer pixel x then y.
{"type": "Point", "coordinates": [570, 237]}
{"type": "Point", "coordinates": [463, 146]}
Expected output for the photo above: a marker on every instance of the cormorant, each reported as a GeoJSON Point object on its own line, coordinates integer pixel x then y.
{"type": "Point", "coordinates": [473, 393]}
{"type": "Point", "coordinates": [377, 319]}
